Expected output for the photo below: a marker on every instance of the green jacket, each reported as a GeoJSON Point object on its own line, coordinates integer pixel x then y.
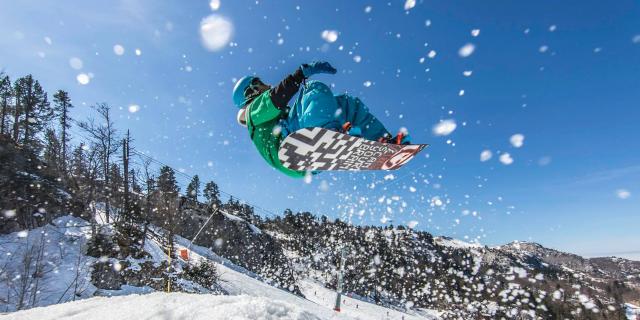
{"type": "Point", "coordinates": [262, 117]}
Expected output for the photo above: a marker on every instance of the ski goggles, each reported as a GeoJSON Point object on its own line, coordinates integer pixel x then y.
{"type": "Point", "coordinates": [254, 89]}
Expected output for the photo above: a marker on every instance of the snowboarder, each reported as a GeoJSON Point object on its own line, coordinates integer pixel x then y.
{"type": "Point", "coordinates": [265, 112]}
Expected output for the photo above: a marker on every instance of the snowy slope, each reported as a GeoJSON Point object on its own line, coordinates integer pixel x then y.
{"type": "Point", "coordinates": [55, 253]}
{"type": "Point", "coordinates": [172, 306]}
{"type": "Point", "coordinates": [64, 264]}
{"type": "Point", "coordinates": [320, 300]}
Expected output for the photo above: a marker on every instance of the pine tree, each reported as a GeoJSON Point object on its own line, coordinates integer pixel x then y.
{"type": "Point", "coordinates": [61, 110]}
{"type": "Point", "coordinates": [17, 109]}
{"type": "Point", "coordinates": [37, 110]}
{"type": "Point", "coordinates": [6, 93]}
{"type": "Point", "coordinates": [52, 151]}
{"type": "Point", "coordinates": [167, 180]}
{"type": "Point", "coordinates": [78, 161]}
{"type": "Point", "coordinates": [193, 189]}
{"type": "Point", "coordinates": [212, 194]}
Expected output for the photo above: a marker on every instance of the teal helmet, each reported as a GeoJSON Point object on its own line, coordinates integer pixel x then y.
{"type": "Point", "coordinates": [238, 91]}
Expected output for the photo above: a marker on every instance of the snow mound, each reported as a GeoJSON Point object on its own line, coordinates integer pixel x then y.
{"type": "Point", "coordinates": [169, 306]}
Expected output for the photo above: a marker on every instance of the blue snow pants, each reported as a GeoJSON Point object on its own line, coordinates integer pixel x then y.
{"type": "Point", "coordinates": [316, 106]}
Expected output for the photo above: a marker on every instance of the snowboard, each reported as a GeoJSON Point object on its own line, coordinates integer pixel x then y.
{"type": "Point", "coordinates": [319, 149]}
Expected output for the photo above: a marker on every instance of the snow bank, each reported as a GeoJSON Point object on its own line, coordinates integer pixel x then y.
{"type": "Point", "coordinates": [170, 306]}
{"type": "Point", "coordinates": [45, 265]}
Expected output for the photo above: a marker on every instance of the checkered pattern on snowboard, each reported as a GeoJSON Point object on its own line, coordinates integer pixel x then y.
{"type": "Point", "coordinates": [319, 149]}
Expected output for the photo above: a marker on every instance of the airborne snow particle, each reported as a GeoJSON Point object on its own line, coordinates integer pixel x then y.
{"type": "Point", "coordinates": [427, 23]}
{"type": "Point", "coordinates": [329, 35]}
{"type": "Point", "coordinates": [134, 108]}
{"type": "Point", "coordinates": [461, 93]}
{"type": "Point", "coordinates": [544, 161]}
{"type": "Point", "coordinates": [138, 52]}
{"type": "Point", "coordinates": [9, 213]}
{"type": "Point", "coordinates": [215, 32]}
{"type": "Point", "coordinates": [280, 41]}
{"type": "Point", "coordinates": [367, 83]}
{"type": "Point", "coordinates": [506, 159]}
{"type": "Point", "coordinates": [367, 9]}
{"type": "Point", "coordinates": [75, 63]}
{"type": "Point", "coordinates": [517, 140]}
{"type": "Point", "coordinates": [475, 32]}
{"type": "Point", "coordinates": [324, 186]}
{"type": "Point", "coordinates": [117, 266]}
{"type": "Point", "coordinates": [623, 194]}
{"type": "Point", "coordinates": [409, 4]}
{"type": "Point", "coordinates": [432, 54]}
{"type": "Point", "coordinates": [48, 40]}
{"type": "Point", "coordinates": [83, 78]}
{"type": "Point", "coordinates": [543, 49]}
{"type": "Point", "coordinates": [597, 50]}
{"type": "Point", "coordinates": [308, 177]}
{"type": "Point", "coordinates": [412, 224]}
{"type": "Point", "coordinates": [466, 50]}
{"type": "Point", "coordinates": [23, 234]}
{"type": "Point", "coordinates": [467, 73]}
{"type": "Point", "coordinates": [214, 5]}
{"type": "Point", "coordinates": [435, 201]}
{"type": "Point", "coordinates": [485, 155]}
{"type": "Point", "coordinates": [552, 28]}
{"type": "Point", "coordinates": [444, 127]}
{"type": "Point", "coordinates": [636, 39]}
{"type": "Point", "coordinates": [357, 59]}
{"type": "Point", "coordinates": [118, 49]}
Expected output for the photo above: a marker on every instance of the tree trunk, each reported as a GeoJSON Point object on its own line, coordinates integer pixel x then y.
{"type": "Point", "coordinates": [16, 119]}
{"type": "Point", "coordinates": [64, 141]}
{"type": "Point", "coordinates": [5, 103]}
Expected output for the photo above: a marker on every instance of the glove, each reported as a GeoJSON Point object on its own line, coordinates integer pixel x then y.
{"type": "Point", "coordinates": [317, 67]}
{"type": "Point", "coordinates": [355, 132]}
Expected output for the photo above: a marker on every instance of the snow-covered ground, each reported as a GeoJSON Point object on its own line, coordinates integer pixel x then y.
{"type": "Point", "coordinates": [53, 254]}
{"type": "Point", "coordinates": [161, 305]}
{"type": "Point", "coordinates": [632, 311]}
{"type": "Point", "coordinates": [250, 297]}
{"type": "Point", "coordinates": [319, 300]}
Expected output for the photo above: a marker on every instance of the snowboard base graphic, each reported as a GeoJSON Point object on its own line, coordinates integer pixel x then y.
{"type": "Point", "coordinates": [319, 149]}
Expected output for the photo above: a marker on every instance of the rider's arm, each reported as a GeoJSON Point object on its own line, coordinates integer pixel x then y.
{"type": "Point", "coordinates": [286, 89]}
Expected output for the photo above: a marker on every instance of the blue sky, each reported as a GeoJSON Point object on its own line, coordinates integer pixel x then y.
{"type": "Point", "coordinates": [562, 74]}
